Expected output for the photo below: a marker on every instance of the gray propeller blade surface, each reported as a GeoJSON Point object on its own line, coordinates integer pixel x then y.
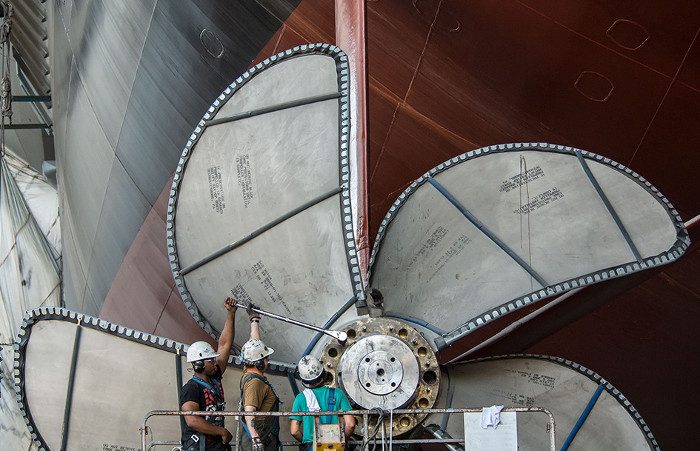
{"type": "Point", "coordinates": [118, 375]}
{"type": "Point", "coordinates": [563, 387]}
{"type": "Point", "coordinates": [495, 229]}
{"type": "Point", "coordinates": [260, 205]}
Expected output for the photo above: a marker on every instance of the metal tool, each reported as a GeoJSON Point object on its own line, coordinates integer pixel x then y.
{"type": "Point", "coordinates": [337, 334]}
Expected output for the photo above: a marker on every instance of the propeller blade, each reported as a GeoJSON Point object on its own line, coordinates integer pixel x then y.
{"type": "Point", "coordinates": [260, 207]}
{"type": "Point", "coordinates": [497, 228]}
{"type": "Point", "coordinates": [563, 387]}
{"type": "Point", "coordinates": [120, 374]}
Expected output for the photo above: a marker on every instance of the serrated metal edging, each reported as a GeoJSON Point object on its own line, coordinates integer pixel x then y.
{"type": "Point", "coordinates": [679, 247]}
{"type": "Point", "coordinates": [62, 314]}
{"type": "Point", "coordinates": [343, 78]}
{"type": "Point", "coordinates": [592, 375]}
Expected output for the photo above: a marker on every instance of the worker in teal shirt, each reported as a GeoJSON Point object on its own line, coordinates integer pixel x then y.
{"type": "Point", "coordinates": [317, 397]}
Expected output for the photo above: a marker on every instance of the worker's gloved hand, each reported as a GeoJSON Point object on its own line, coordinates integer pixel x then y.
{"type": "Point", "coordinates": [258, 444]}
{"type": "Point", "coordinates": [249, 310]}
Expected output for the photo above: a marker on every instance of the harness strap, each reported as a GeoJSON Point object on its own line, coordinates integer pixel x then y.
{"type": "Point", "coordinates": [245, 380]}
{"type": "Point", "coordinates": [331, 405]}
{"type": "Point", "coordinates": [214, 388]}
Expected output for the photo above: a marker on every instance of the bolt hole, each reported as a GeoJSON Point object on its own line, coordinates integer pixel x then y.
{"type": "Point", "coordinates": [367, 359]}
{"type": "Point", "coordinates": [405, 422]}
{"type": "Point", "coordinates": [351, 333]}
{"type": "Point", "coordinates": [393, 359]}
{"type": "Point", "coordinates": [380, 372]}
{"type": "Point", "coordinates": [367, 384]}
{"type": "Point", "coordinates": [333, 353]}
{"type": "Point", "coordinates": [423, 403]}
{"type": "Point", "coordinates": [429, 377]}
{"type": "Point", "coordinates": [422, 351]}
{"type": "Point", "coordinates": [393, 384]}
{"type": "Point", "coordinates": [403, 333]}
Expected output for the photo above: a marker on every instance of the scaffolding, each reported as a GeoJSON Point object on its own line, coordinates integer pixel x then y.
{"type": "Point", "coordinates": [441, 437]}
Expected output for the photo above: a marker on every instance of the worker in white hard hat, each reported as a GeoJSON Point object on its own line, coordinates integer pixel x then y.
{"type": "Point", "coordinates": [257, 394]}
{"type": "Point", "coordinates": [205, 392]}
{"type": "Point", "coordinates": [317, 397]}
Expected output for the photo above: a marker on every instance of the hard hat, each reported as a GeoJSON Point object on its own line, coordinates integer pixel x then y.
{"type": "Point", "coordinates": [310, 368]}
{"type": "Point", "coordinates": [254, 350]}
{"type": "Point", "coordinates": [200, 350]}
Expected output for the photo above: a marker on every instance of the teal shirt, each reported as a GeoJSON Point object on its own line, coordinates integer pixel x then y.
{"type": "Point", "coordinates": [322, 393]}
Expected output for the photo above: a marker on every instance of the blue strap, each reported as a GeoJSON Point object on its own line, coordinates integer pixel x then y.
{"type": "Point", "coordinates": [216, 389]}
{"type": "Point", "coordinates": [582, 418]}
{"type": "Point", "coordinates": [330, 401]}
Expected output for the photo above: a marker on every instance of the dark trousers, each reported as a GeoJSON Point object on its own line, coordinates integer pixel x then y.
{"type": "Point", "coordinates": [247, 443]}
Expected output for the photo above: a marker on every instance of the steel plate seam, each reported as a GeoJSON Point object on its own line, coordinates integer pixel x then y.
{"type": "Point", "coordinates": [485, 230]}
{"type": "Point", "coordinates": [63, 314]}
{"type": "Point", "coordinates": [270, 109]}
{"type": "Point", "coordinates": [608, 206]}
{"type": "Point", "coordinates": [681, 244]}
{"type": "Point", "coordinates": [69, 391]}
{"type": "Point", "coordinates": [342, 72]}
{"type": "Point", "coordinates": [260, 230]}
{"type": "Point", "coordinates": [590, 374]}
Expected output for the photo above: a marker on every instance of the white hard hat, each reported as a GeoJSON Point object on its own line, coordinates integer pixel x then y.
{"type": "Point", "coordinates": [200, 350]}
{"type": "Point", "coordinates": [254, 350]}
{"type": "Point", "coordinates": [309, 368]}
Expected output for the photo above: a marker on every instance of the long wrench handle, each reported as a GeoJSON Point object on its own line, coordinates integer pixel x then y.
{"type": "Point", "coordinates": [338, 335]}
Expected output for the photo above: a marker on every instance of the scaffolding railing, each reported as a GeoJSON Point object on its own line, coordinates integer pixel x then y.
{"type": "Point", "coordinates": [364, 414]}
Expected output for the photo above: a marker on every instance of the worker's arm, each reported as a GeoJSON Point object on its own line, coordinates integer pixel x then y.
{"type": "Point", "coordinates": [255, 326]}
{"type": "Point", "coordinates": [249, 421]}
{"type": "Point", "coordinates": [349, 425]}
{"type": "Point", "coordinates": [295, 430]}
{"type": "Point", "coordinates": [226, 337]}
{"type": "Point", "coordinates": [199, 424]}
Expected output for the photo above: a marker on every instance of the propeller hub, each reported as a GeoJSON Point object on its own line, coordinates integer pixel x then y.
{"type": "Point", "coordinates": [385, 363]}
{"type": "Point", "coordinates": [379, 370]}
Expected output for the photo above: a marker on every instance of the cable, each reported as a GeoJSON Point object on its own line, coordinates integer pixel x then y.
{"type": "Point", "coordinates": [391, 429]}
{"type": "Point", "coordinates": [380, 420]}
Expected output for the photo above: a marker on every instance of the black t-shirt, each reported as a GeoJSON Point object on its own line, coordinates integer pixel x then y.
{"type": "Point", "coordinates": [210, 397]}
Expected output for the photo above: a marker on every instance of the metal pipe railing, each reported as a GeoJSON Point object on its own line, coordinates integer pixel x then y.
{"type": "Point", "coordinates": [365, 414]}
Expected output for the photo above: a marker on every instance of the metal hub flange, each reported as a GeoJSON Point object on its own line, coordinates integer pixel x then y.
{"type": "Point", "coordinates": [380, 371]}
{"type": "Point", "coordinates": [388, 364]}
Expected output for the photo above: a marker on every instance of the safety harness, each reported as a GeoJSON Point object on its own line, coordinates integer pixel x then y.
{"type": "Point", "coordinates": [275, 423]}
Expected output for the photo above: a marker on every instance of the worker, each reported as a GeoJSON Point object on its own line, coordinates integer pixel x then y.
{"type": "Point", "coordinates": [317, 397]}
{"type": "Point", "coordinates": [257, 394]}
{"type": "Point", "coordinates": [205, 392]}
